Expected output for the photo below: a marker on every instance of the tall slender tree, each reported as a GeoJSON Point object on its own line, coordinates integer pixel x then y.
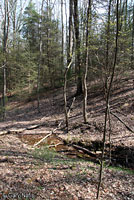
{"type": "Point", "coordinates": [5, 41]}
{"type": "Point", "coordinates": [88, 27]}
{"type": "Point", "coordinates": [108, 96]}
{"type": "Point", "coordinates": [40, 56]}
{"type": "Point", "coordinates": [107, 70]}
{"type": "Point", "coordinates": [69, 61]}
{"type": "Point", "coordinates": [62, 24]}
{"type": "Point", "coordinates": [77, 47]}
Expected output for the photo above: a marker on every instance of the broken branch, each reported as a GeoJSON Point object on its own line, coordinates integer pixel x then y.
{"type": "Point", "coordinates": [6, 132]}
{"type": "Point", "coordinates": [36, 144]}
{"type": "Point", "coordinates": [44, 138]}
{"type": "Point", "coordinates": [122, 122]}
{"type": "Point", "coordinates": [84, 150]}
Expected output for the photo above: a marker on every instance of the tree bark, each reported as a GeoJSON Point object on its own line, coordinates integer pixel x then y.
{"type": "Point", "coordinates": [40, 58]}
{"type": "Point", "coordinates": [65, 95]}
{"type": "Point", "coordinates": [77, 52]}
{"type": "Point", "coordinates": [62, 48]}
{"type": "Point", "coordinates": [70, 48]}
{"type": "Point", "coordinates": [88, 26]}
{"type": "Point", "coordinates": [5, 39]}
{"type": "Point", "coordinates": [107, 48]}
{"type": "Point", "coordinates": [69, 61]}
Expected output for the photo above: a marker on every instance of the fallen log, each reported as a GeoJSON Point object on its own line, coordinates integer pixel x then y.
{"type": "Point", "coordinates": [84, 150]}
{"type": "Point", "coordinates": [9, 160]}
{"type": "Point", "coordinates": [14, 131]}
{"type": "Point", "coordinates": [35, 126]}
{"type": "Point", "coordinates": [6, 132]}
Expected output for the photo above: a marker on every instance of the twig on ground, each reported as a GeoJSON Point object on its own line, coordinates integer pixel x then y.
{"type": "Point", "coordinates": [55, 145]}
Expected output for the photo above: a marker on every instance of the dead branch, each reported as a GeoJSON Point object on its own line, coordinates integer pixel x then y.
{"type": "Point", "coordinates": [36, 144]}
{"type": "Point", "coordinates": [44, 138]}
{"type": "Point", "coordinates": [6, 132]}
{"type": "Point", "coordinates": [6, 160]}
{"type": "Point", "coordinates": [122, 122]}
{"type": "Point", "coordinates": [35, 126]}
{"type": "Point", "coordinates": [84, 150]}
{"type": "Point", "coordinates": [55, 145]}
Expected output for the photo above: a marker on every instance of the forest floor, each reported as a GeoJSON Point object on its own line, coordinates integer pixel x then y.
{"type": "Point", "coordinates": [71, 173]}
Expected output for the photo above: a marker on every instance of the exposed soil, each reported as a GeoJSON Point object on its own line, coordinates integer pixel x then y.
{"type": "Point", "coordinates": [24, 175]}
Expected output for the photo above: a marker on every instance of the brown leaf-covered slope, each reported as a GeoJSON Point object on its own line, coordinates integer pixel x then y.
{"type": "Point", "coordinates": [24, 175]}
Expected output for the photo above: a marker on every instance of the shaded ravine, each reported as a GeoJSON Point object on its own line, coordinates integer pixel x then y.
{"type": "Point", "coordinates": [121, 156]}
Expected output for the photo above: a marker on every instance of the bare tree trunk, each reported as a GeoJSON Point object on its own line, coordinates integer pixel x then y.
{"type": "Point", "coordinates": [40, 58]}
{"type": "Point", "coordinates": [65, 95]}
{"type": "Point", "coordinates": [62, 53]}
{"type": "Point", "coordinates": [108, 97]}
{"type": "Point", "coordinates": [88, 26]}
{"type": "Point", "coordinates": [47, 46]}
{"type": "Point", "coordinates": [70, 48]}
{"type": "Point", "coordinates": [66, 25]}
{"type": "Point", "coordinates": [13, 6]}
{"type": "Point", "coordinates": [77, 52]}
{"type": "Point", "coordinates": [5, 39]}
{"type": "Point", "coordinates": [4, 92]}
{"type": "Point", "coordinates": [110, 131]}
{"type": "Point", "coordinates": [69, 62]}
{"type": "Point", "coordinates": [126, 14]}
{"type": "Point", "coordinates": [107, 70]}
